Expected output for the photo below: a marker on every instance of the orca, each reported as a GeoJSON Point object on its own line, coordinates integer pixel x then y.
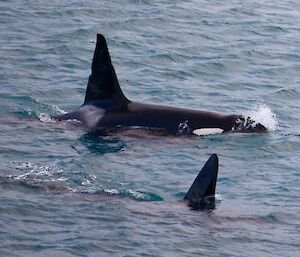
{"type": "Point", "coordinates": [205, 183]}
{"type": "Point", "coordinates": [200, 195]}
{"type": "Point", "coordinates": [106, 107]}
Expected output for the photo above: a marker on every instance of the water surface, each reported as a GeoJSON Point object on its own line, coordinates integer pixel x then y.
{"type": "Point", "coordinates": [64, 192]}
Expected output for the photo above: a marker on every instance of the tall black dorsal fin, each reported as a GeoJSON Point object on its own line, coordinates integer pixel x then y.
{"type": "Point", "coordinates": [205, 183]}
{"type": "Point", "coordinates": [103, 83]}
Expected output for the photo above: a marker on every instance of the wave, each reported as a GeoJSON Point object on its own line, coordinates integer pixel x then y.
{"type": "Point", "coordinates": [52, 179]}
{"type": "Point", "coordinates": [263, 114]}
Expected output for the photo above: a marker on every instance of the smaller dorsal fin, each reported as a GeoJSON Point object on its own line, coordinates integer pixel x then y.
{"type": "Point", "coordinates": [205, 183]}
{"type": "Point", "coordinates": [103, 83]}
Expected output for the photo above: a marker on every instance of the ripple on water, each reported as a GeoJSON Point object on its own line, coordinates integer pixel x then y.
{"type": "Point", "coordinates": [217, 56]}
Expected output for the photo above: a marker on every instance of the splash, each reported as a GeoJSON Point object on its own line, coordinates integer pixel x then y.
{"type": "Point", "coordinates": [44, 117]}
{"type": "Point", "coordinates": [218, 197]}
{"type": "Point", "coordinates": [263, 114]}
{"type": "Point", "coordinates": [133, 194]}
{"type": "Point", "coordinates": [44, 173]}
{"type": "Point", "coordinates": [58, 110]}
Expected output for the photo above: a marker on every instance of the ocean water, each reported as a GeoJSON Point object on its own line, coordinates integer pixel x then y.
{"type": "Point", "coordinates": [65, 192]}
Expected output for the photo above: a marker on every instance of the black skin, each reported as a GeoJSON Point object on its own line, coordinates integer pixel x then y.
{"type": "Point", "coordinates": [106, 107]}
{"type": "Point", "coordinates": [167, 119]}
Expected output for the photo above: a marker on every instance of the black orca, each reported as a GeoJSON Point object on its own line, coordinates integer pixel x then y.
{"type": "Point", "coordinates": [201, 193]}
{"type": "Point", "coordinates": [106, 107]}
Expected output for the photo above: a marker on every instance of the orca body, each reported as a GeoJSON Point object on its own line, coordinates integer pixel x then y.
{"type": "Point", "coordinates": [202, 192]}
{"type": "Point", "coordinates": [106, 107]}
{"type": "Point", "coordinates": [200, 195]}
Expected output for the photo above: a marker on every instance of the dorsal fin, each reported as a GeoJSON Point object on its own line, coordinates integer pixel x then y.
{"type": "Point", "coordinates": [205, 183]}
{"type": "Point", "coordinates": [103, 83]}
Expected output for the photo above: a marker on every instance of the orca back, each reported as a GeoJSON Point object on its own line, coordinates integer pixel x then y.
{"type": "Point", "coordinates": [205, 183]}
{"type": "Point", "coordinates": [103, 83]}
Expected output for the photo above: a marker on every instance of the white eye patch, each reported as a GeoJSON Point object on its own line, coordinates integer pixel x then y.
{"type": "Point", "coordinates": [207, 131]}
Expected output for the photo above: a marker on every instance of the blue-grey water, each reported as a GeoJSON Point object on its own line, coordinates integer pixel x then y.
{"type": "Point", "coordinates": [64, 192]}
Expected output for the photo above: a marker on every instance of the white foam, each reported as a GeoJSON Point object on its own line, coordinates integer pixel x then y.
{"type": "Point", "coordinates": [207, 131]}
{"type": "Point", "coordinates": [218, 197]}
{"type": "Point", "coordinates": [44, 117]}
{"type": "Point", "coordinates": [136, 194]}
{"type": "Point", "coordinates": [58, 110]}
{"type": "Point", "coordinates": [111, 191]}
{"type": "Point", "coordinates": [263, 114]}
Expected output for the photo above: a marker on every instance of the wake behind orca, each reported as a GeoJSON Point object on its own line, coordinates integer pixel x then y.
{"type": "Point", "coordinates": [106, 107]}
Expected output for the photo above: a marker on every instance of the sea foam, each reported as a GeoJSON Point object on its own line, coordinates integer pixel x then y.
{"type": "Point", "coordinates": [263, 114]}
